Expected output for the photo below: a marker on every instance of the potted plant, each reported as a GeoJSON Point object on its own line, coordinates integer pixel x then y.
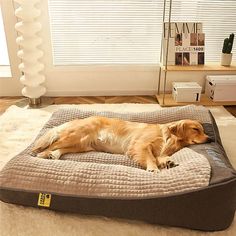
{"type": "Point", "coordinates": [226, 56]}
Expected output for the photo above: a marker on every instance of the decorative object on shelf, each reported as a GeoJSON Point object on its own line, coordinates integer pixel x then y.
{"type": "Point", "coordinates": [31, 68]}
{"type": "Point", "coordinates": [226, 56]}
{"type": "Point", "coordinates": [186, 43]}
{"type": "Point", "coordinates": [186, 91]}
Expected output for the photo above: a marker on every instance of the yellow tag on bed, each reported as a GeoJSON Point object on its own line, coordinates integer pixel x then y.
{"type": "Point", "coordinates": [44, 199]}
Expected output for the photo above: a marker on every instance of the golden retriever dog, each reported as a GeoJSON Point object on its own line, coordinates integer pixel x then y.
{"type": "Point", "coordinates": [151, 145]}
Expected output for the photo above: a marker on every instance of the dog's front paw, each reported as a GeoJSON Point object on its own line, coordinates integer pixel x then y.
{"type": "Point", "coordinates": [166, 163]}
{"type": "Point", "coordinates": [171, 164]}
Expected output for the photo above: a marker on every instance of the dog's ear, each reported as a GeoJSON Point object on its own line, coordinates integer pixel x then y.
{"type": "Point", "coordinates": [177, 129]}
{"type": "Point", "coordinates": [173, 128]}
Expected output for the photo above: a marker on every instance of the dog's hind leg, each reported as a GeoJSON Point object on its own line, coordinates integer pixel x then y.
{"type": "Point", "coordinates": [57, 153]}
{"type": "Point", "coordinates": [66, 145]}
{"type": "Point", "coordinates": [45, 141]}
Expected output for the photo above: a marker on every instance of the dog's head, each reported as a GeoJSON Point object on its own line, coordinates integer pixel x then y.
{"type": "Point", "coordinates": [189, 131]}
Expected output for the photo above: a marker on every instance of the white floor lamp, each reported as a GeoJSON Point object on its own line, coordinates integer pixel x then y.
{"type": "Point", "coordinates": [28, 41]}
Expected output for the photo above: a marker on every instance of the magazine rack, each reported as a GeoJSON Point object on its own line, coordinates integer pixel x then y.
{"type": "Point", "coordinates": [165, 99]}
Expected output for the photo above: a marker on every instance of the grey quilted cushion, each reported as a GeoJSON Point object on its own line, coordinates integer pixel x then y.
{"type": "Point", "coordinates": [107, 175]}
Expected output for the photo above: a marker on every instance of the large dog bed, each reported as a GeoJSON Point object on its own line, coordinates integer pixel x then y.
{"type": "Point", "coordinates": [200, 193]}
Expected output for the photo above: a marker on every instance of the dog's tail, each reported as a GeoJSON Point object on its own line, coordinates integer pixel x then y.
{"type": "Point", "coordinates": [45, 140]}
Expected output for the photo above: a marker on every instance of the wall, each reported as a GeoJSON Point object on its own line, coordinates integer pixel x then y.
{"type": "Point", "coordinates": [104, 80]}
{"type": "Point", "coordinates": [131, 83]}
{"type": "Point", "coordinates": [91, 81]}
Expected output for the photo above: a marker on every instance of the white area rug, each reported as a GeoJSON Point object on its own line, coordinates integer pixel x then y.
{"type": "Point", "coordinates": [19, 127]}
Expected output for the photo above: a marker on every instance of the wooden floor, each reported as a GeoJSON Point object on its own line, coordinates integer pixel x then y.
{"type": "Point", "coordinates": [105, 100]}
{"type": "Point", "coordinates": [6, 102]}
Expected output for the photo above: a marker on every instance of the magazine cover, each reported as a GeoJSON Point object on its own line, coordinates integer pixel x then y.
{"type": "Point", "coordinates": [189, 49]}
{"type": "Point", "coordinates": [186, 43]}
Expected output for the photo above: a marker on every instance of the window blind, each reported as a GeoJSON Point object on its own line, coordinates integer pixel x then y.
{"type": "Point", "coordinates": [129, 31]}
{"type": "Point", "coordinates": [105, 31]}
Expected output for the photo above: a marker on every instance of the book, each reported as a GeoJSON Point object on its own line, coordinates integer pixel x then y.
{"type": "Point", "coordinates": [186, 43]}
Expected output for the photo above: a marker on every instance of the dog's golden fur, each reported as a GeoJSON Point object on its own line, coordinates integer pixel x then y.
{"type": "Point", "coordinates": [148, 144]}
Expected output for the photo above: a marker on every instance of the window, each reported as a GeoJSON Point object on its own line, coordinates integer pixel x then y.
{"type": "Point", "coordinates": [9, 72]}
{"type": "Point", "coordinates": [4, 59]}
{"type": "Point", "coordinates": [129, 31]}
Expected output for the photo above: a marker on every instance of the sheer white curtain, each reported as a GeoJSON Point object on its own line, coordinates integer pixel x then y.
{"type": "Point", "coordinates": [129, 31]}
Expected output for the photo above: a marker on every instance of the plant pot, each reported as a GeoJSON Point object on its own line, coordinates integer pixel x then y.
{"type": "Point", "coordinates": [226, 59]}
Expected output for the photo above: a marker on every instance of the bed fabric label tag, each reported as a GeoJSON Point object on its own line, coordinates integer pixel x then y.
{"type": "Point", "coordinates": [44, 199]}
